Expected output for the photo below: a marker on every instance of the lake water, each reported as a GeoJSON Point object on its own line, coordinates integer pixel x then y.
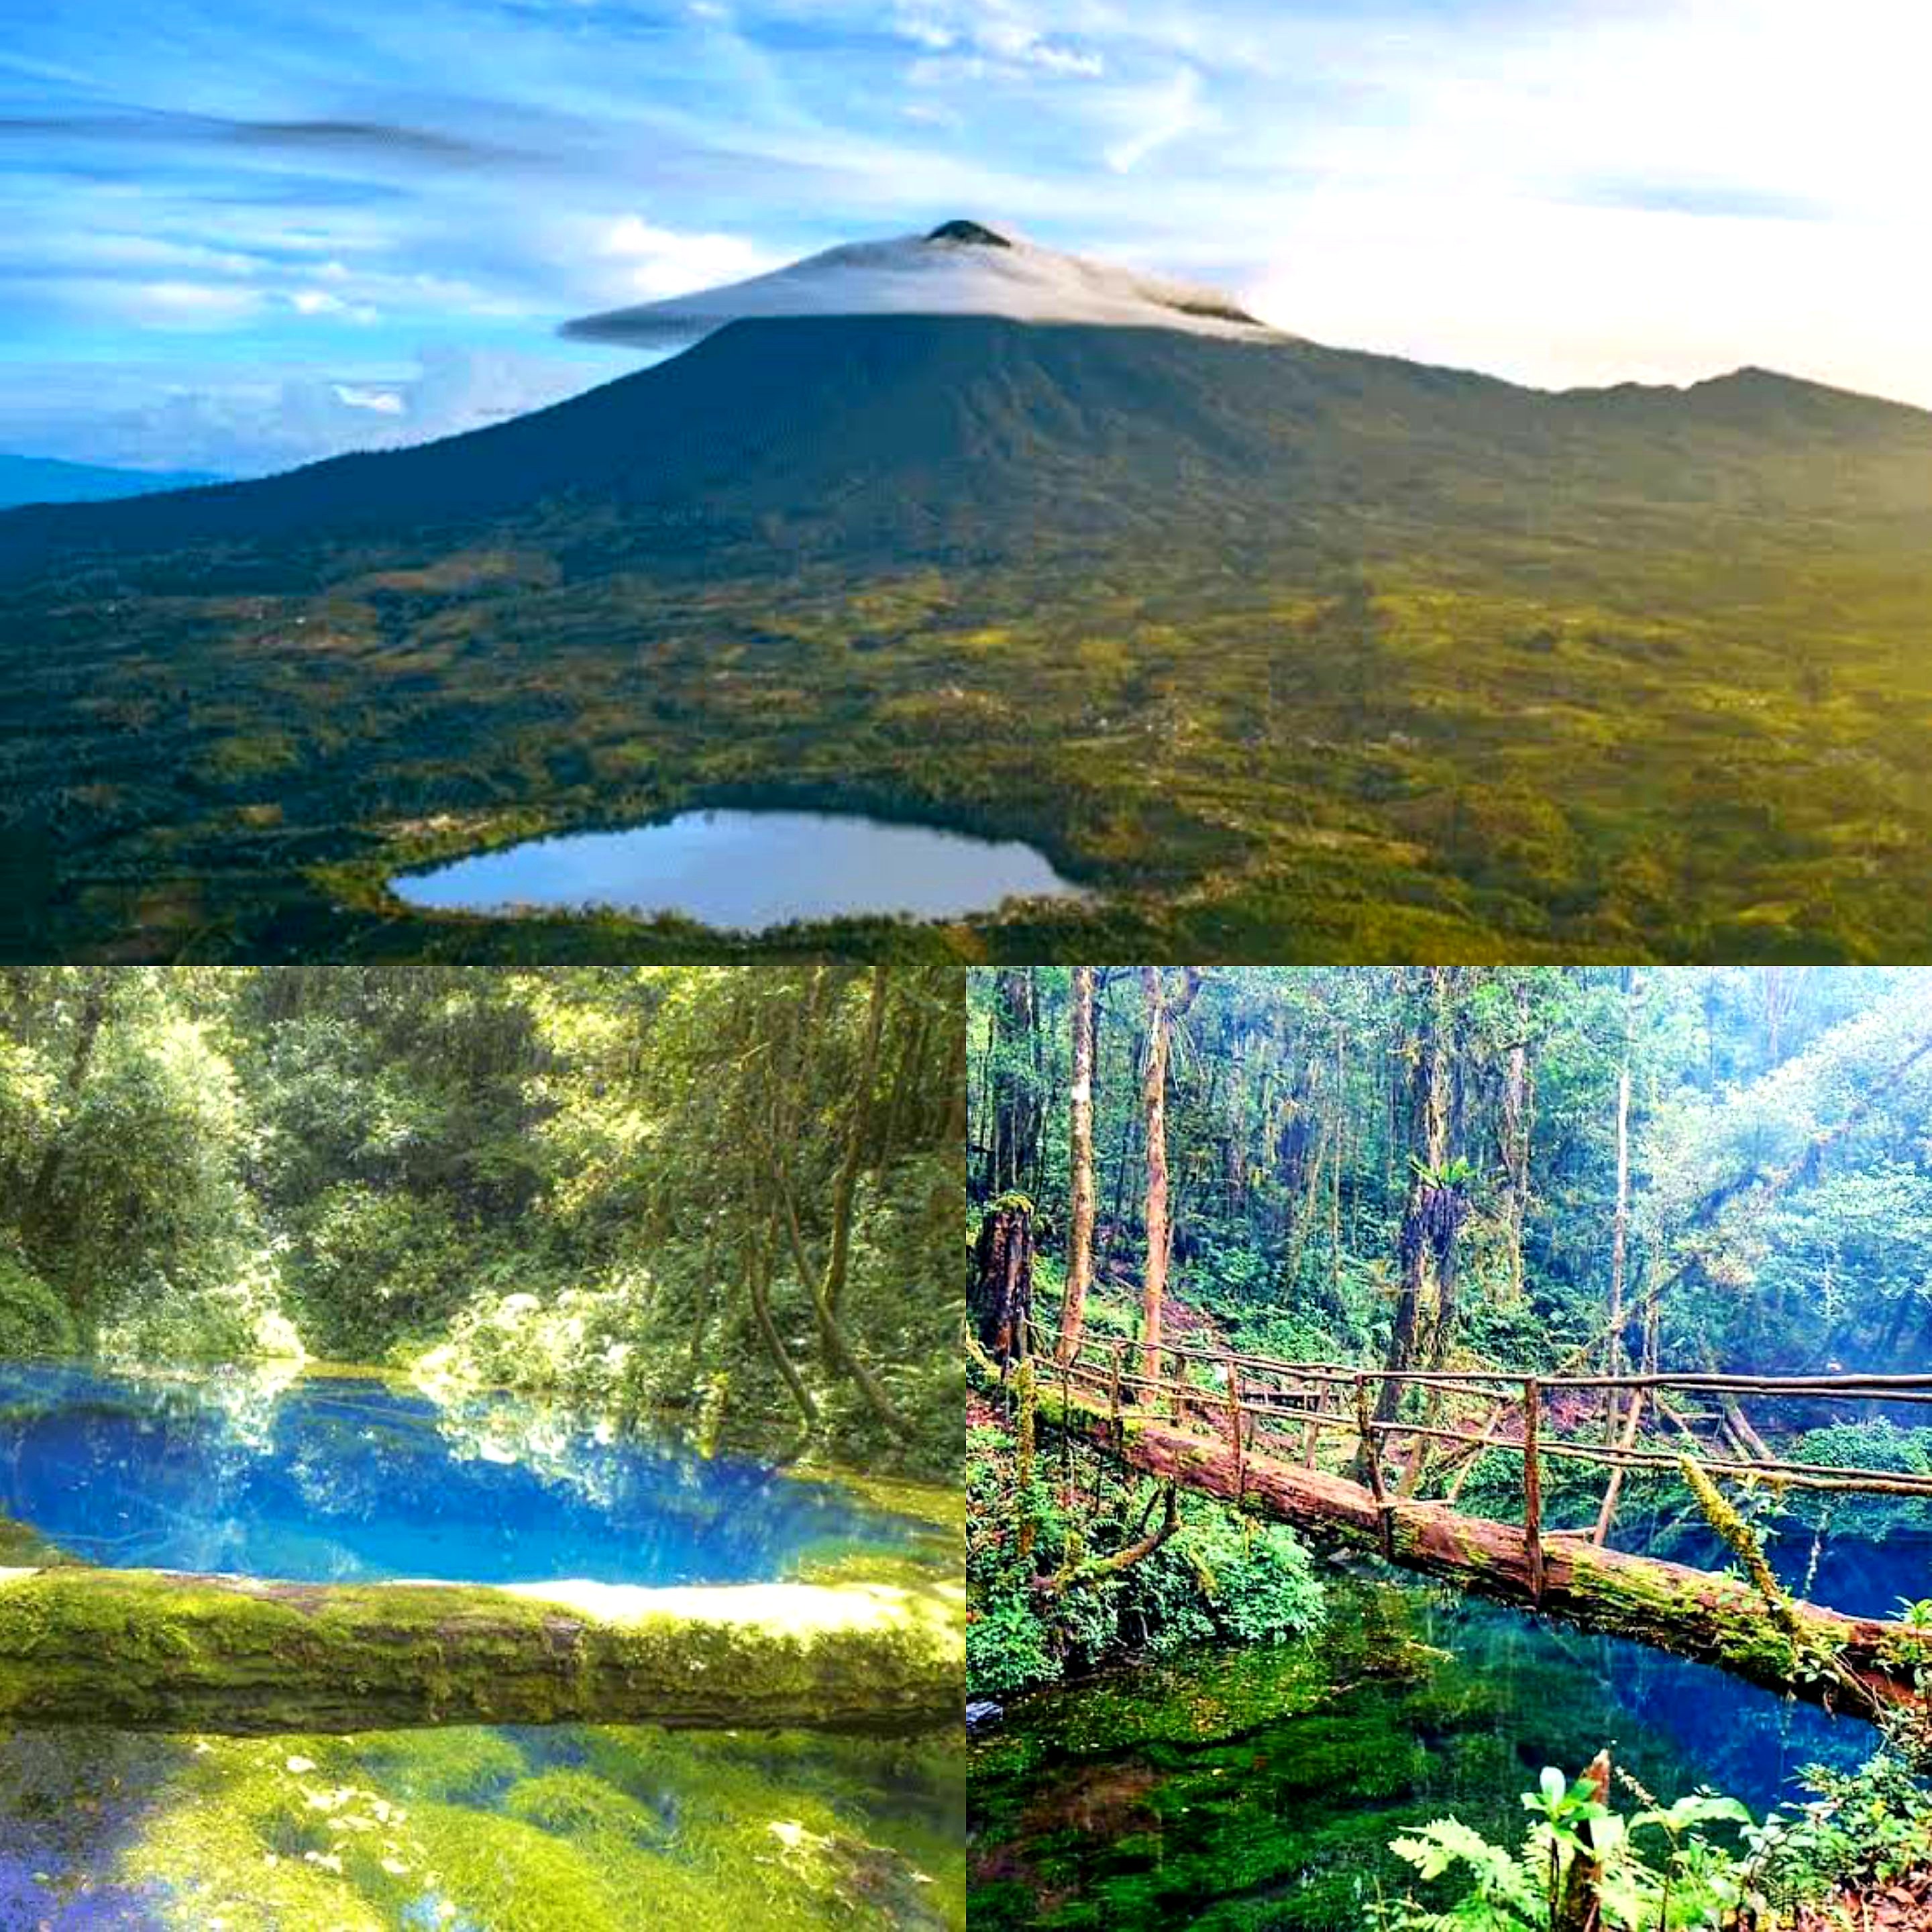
{"type": "Point", "coordinates": [333, 1480]}
{"type": "Point", "coordinates": [746, 871]}
{"type": "Point", "coordinates": [1257, 1790]}
{"type": "Point", "coordinates": [561, 1829]}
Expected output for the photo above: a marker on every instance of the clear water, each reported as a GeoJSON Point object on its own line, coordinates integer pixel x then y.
{"type": "Point", "coordinates": [333, 1480]}
{"type": "Point", "coordinates": [1257, 1790]}
{"type": "Point", "coordinates": [746, 871]}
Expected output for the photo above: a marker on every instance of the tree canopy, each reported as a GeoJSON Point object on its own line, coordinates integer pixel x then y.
{"type": "Point", "coordinates": [726, 1191]}
{"type": "Point", "coordinates": [1416, 1164]}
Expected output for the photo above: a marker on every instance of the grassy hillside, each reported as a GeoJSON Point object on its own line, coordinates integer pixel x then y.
{"type": "Point", "coordinates": [1295, 653]}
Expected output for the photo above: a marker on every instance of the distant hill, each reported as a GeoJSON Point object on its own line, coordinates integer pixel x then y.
{"type": "Point", "coordinates": [46, 479]}
{"type": "Point", "coordinates": [1292, 652]}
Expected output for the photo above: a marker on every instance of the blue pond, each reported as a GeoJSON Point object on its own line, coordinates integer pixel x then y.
{"type": "Point", "coordinates": [329, 1479]}
{"type": "Point", "coordinates": [746, 871]}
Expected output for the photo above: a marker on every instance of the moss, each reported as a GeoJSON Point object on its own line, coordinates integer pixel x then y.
{"type": "Point", "coordinates": [592, 1830]}
{"type": "Point", "coordinates": [940, 1505]}
{"type": "Point", "coordinates": [22, 1547]}
{"type": "Point", "coordinates": [240, 1658]}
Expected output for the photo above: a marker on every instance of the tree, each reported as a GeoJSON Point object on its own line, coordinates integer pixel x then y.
{"type": "Point", "coordinates": [1080, 1134]}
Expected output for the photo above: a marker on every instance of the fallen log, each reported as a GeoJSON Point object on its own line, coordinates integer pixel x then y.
{"type": "Point", "coordinates": [1860, 1667]}
{"type": "Point", "coordinates": [160, 1650]}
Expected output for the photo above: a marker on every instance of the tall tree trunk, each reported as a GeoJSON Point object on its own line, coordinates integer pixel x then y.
{"type": "Point", "coordinates": [1428, 1136]}
{"type": "Point", "coordinates": [858, 1134]}
{"type": "Point", "coordinates": [1613, 1353]}
{"type": "Point", "coordinates": [1515, 1137]}
{"type": "Point", "coordinates": [1164, 1008]}
{"type": "Point", "coordinates": [1080, 1154]}
{"type": "Point", "coordinates": [1154, 1278]}
{"type": "Point", "coordinates": [759, 1266]}
{"type": "Point", "coordinates": [1000, 1298]}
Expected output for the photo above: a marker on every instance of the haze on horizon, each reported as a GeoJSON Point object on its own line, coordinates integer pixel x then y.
{"type": "Point", "coordinates": [243, 233]}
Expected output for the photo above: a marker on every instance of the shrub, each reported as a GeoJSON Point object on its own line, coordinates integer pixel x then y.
{"type": "Point", "coordinates": [33, 1320]}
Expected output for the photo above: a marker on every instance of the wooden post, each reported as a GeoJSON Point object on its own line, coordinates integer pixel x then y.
{"type": "Point", "coordinates": [1180, 1389]}
{"type": "Point", "coordinates": [1066, 1435]}
{"type": "Point", "coordinates": [1114, 1389]}
{"type": "Point", "coordinates": [1532, 1486]}
{"type": "Point", "coordinates": [1314, 1432]}
{"type": "Point", "coordinates": [1234, 1378]}
{"type": "Point", "coordinates": [1372, 1457]}
{"type": "Point", "coordinates": [1614, 1486]}
{"type": "Point", "coordinates": [1023, 1385]}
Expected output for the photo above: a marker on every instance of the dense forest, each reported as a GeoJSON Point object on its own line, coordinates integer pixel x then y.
{"type": "Point", "coordinates": [725, 1193]}
{"type": "Point", "coordinates": [1184, 1181]}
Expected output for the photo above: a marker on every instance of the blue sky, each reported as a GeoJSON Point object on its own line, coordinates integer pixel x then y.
{"type": "Point", "coordinates": [242, 235]}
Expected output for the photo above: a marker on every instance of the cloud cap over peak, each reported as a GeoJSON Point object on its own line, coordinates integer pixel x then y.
{"type": "Point", "coordinates": [961, 267]}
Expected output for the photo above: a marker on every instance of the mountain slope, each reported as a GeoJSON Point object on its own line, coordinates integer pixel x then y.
{"type": "Point", "coordinates": [47, 479]}
{"type": "Point", "coordinates": [925, 433]}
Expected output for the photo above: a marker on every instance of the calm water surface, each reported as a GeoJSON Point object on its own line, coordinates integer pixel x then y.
{"type": "Point", "coordinates": [333, 1480]}
{"type": "Point", "coordinates": [746, 871]}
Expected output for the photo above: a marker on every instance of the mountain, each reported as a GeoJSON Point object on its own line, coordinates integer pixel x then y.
{"type": "Point", "coordinates": [891, 437]}
{"type": "Point", "coordinates": [45, 479]}
{"type": "Point", "coordinates": [1293, 651]}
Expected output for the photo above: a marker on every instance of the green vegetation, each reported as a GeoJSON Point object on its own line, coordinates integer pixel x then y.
{"type": "Point", "coordinates": [707, 1200]}
{"type": "Point", "coordinates": [1779, 1209]}
{"type": "Point", "coordinates": [1584, 1863]}
{"type": "Point", "coordinates": [1054, 1608]}
{"type": "Point", "coordinates": [718, 1196]}
{"type": "Point", "coordinates": [1290, 652]}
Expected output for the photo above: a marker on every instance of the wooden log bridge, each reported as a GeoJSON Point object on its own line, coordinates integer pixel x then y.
{"type": "Point", "coordinates": [158, 1650]}
{"type": "Point", "coordinates": [1249, 1430]}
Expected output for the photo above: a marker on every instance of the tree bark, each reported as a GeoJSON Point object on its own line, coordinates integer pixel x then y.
{"type": "Point", "coordinates": [1428, 1157]}
{"type": "Point", "coordinates": [1154, 1276]}
{"type": "Point", "coordinates": [1620, 1220]}
{"type": "Point", "coordinates": [1080, 1154]}
{"type": "Point", "coordinates": [154, 1650]}
{"type": "Point", "coordinates": [1001, 1300]}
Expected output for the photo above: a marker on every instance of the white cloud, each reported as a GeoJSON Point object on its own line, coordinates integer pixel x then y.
{"type": "Point", "coordinates": [322, 301]}
{"type": "Point", "coordinates": [992, 35]}
{"type": "Point", "coordinates": [1163, 117]}
{"type": "Point", "coordinates": [663, 262]}
{"type": "Point", "coordinates": [173, 304]}
{"type": "Point", "coordinates": [384, 402]}
{"type": "Point", "coordinates": [241, 424]}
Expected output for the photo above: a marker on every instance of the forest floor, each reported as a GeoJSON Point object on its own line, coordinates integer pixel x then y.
{"type": "Point", "coordinates": [1905, 1905]}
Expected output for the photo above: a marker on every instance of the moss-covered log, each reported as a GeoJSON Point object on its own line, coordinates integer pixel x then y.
{"type": "Point", "coordinates": [1859, 1666]}
{"type": "Point", "coordinates": [156, 1650]}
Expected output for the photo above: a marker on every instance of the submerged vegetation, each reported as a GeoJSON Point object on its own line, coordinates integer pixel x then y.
{"type": "Point", "coordinates": [1422, 1177]}
{"type": "Point", "coordinates": [572, 1830]}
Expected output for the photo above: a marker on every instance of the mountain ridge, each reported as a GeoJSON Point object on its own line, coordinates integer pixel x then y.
{"type": "Point", "coordinates": [971, 424]}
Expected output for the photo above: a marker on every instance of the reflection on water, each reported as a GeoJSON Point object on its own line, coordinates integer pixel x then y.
{"type": "Point", "coordinates": [746, 871]}
{"type": "Point", "coordinates": [1257, 1790]}
{"type": "Point", "coordinates": [335, 1480]}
